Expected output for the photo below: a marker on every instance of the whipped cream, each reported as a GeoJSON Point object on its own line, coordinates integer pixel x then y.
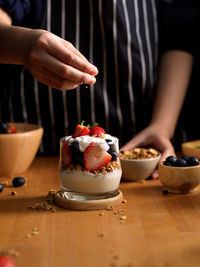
{"type": "Point", "coordinates": [85, 140]}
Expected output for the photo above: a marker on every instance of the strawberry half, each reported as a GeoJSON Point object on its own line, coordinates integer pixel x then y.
{"type": "Point", "coordinates": [95, 158]}
{"type": "Point", "coordinates": [97, 131]}
{"type": "Point", "coordinates": [66, 154]}
{"type": "Point", "coordinates": [6, 262]}
{"type": "Point", "coordinates": [80, 130]}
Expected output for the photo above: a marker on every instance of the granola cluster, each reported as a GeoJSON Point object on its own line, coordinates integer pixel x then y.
{"type": "Point", "coordinates": [112, 165]}
{"type": "Point", "coordinates": [139, 153]}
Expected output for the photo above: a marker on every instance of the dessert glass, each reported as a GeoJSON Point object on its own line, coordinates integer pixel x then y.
{"type": "Point", "coordinates": [79, 184]}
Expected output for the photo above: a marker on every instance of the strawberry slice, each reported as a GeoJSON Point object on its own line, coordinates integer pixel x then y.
{"type": "Point", "coordinates": [6, 262]}
{"type": "Point", "coordinates": [80, 130]}
{"type": "Point", "coordinates": [66, 154]}
{"type": "Point", "coordinates": [97, 131]}
{"type": "Point", "coordinates": [95, 158]}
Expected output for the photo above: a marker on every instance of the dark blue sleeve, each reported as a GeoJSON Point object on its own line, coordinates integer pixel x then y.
{"type": "Point", "coordinates": [24, 12]}
{"type": "Point", "coordinates": [180, 25]}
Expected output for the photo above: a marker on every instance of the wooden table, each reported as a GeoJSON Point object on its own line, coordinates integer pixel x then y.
{"type": "Point", "coordinates": [160, 230]}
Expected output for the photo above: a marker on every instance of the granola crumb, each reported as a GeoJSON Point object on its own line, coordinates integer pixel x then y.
{"type": "Point", "coordinates": [124, 201]}
{"type": "Point", "coordinates": [101, 235]}
{"type": "Point", "coordinates": [110, 208]}
{"type": "Point", "coordinates": [5, 183]}
{"type": "Point", "coordinates": [28, 236]}
{"type": "Point", "coordinates": [35, 233]}
{"type": "Point", "coordinates": [101, 213]}
{"type": "Point", "coordinates": [47, 204]}
{"type": "Point", "coordinates": [35, 229]}
{"type": "Point", "coordinates": [123, 218]}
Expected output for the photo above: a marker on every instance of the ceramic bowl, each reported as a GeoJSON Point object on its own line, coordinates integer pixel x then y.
{"type": "Point", "coordinates": [179, 179]}
{"type": "Point", "coordinates": [191, 148]}
{"type": "Point", "coordinates": [19, 149]}
{"type": "Point", "coordinates": [138, 169]}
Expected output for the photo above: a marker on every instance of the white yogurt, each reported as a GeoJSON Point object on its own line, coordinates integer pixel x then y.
{"type": "Point", "coordinates": [85, 140]}
{"type": "Point", "coordinates": [86, 182]}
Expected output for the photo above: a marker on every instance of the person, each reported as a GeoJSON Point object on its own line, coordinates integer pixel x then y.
{"type": "Point", "coordinates": [115, 86]}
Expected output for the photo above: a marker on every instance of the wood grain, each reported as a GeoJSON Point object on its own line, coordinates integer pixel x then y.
{"type": "Point", "coordinates": [151, 229]}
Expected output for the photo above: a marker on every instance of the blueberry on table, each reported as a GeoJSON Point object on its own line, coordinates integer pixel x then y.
{"type": "Point", "coordinates": [3, 127]}
{"type": "Point", "coordinates": [192, 161]}
{"type": "Point", "coordinates": [171, 159]}
{"type": "Point", "coordinates": [180, 163]}
{"type": "Point", "coordinates": [1, 188]}
{"type": "Point", "coordinates": [165, 192]}
{"type": "Point", "coordinates": [18, 181]}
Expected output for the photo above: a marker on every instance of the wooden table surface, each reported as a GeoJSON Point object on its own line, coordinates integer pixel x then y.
{"type": "Point", "coordinates": [159, 230]}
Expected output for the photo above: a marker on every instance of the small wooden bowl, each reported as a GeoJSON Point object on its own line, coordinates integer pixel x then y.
{"type": "Point", "coordinates": [19, 149]}
{"type": "Point", "coordinates": [179, 179]}
{"type": "Point", "coordinates": [191, 148]}
{"type": "Point", "coordinates": [138, 169]}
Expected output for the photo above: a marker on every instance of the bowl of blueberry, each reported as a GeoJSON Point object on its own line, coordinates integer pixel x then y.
{"type": "Point", "coordinates": [19, 143]}
{"type": "Point", "coordinates": [180, 175]}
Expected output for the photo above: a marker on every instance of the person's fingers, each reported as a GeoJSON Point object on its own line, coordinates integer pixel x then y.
{"type": "Point", "coordinates": [155, 174]}
{"type": "Point", "coordinates": [54, 47]}
{"type": "Point", "coordinates": [68, 85]}
{"type": "Point", "coordinates": [51, 79]}
{"type": "Point", "coordinates": [65, 71]}
{"type": "Point", "coordinates": [75, 51]}
{"type": "Point", "coordinates": [134, 142]}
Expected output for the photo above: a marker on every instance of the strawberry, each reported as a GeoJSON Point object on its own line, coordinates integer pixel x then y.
{"type": "Point", "coordinates": [6, 262]}
{"type": "Point", "coordinates": [95, 158]}
{"type": "Point", "coordinates": [96, 131]}
{"type": "Point", "coordinates": [66, 154]}
{"type": "Point", "coordinates": [80, 130]}
{"type": "Point", "coordinates": [11, 129]}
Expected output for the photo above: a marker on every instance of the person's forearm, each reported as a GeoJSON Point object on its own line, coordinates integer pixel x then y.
{"type": "Point", "coordinates": [174, 75]}
{"type": "Point", "coordinates": [12, 40]}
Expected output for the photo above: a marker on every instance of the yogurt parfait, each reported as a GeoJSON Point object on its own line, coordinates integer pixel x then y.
{"type": "Point", "coordinates": [89, 161]}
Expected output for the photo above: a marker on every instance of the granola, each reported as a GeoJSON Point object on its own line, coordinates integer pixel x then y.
{"type": "Point", "coordinates": [139, 153]}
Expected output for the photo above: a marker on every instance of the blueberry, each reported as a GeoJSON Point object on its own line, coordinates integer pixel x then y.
{"type": "Point", "coordinates": [3, 127]}
{"type": "Point", "coordinates": [77, 158]}
{"type": "Point", "coordinates": [18, 181]}
{"type": "Point", "coordinates": [74, 147]}
{"type": "Point", "coordinates": [180, 163]}
{"type": "Point", "coordinates": [165, 192]}
{"type": "Point", "coordinates": [167, 163]}
{"type": "Point", "coordinates": [171, 159]}
{"type": "Point", "coordinates": [114, 156]}
{"type": "Point", "coordinates": [1, 188]}
{"type": "Point", "coordinates": [192, 161]}
{"type": "Point", "coordinates": [111, 145]}
{"type": "Point", "coordinates": [185, 158]}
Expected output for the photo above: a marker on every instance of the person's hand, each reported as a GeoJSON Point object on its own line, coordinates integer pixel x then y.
{"type": "Point", "coordinates": [152, 137]}
{"type": "Point", "coordinates": [54, 61]}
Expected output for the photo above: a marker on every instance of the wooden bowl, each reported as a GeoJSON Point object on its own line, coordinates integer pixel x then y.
{"type": "Point", "coordinates": [179, 179]}
{"type": "Point", "coordinates": [138, 169]}
{"type": "Point", "coordinates": [19, 149]}
{"type": "Point", "coordinates": [191, 148]}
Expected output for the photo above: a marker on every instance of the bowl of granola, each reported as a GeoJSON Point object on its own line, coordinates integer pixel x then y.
{"type": "Point", "coordinates": [138, 163]}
